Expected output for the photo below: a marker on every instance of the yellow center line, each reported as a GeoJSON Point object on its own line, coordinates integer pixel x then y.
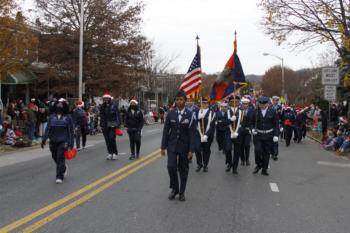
{"type": "Point", "coordinates": [84, 198]}
{"type": "Point", "coordinates": [71, 196]}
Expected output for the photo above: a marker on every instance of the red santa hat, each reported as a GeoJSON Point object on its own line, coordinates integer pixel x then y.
{"type": "Point", "coordinates": [79, 104]}
{"type": "Point", "coordinates": [134, 101]}
{"type": "Point", "coordinates": [107, 94]}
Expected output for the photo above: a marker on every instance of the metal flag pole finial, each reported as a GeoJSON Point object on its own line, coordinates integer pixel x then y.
{"type": "Point", "coordinates": [197, 38]}
{"type": "Point", "coordinates": [235, 43]}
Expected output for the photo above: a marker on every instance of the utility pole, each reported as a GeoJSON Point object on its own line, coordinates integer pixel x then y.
{"type": "Point", "coordinates": [81, 46]}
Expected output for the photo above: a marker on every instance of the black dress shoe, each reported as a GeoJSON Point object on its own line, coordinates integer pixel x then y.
{"type": "Point", "coordinates": [256, 169]}
{"type": "Point", "coordinates": [275, 158]}
{"type": "Point", "coordinates": [172, 195]}
{"type": "Point", "coordinates": [228, 168]}
{"type": "Point", "coordinates": [198, 168]}
{"type": "Point", "coordinates": [264, 172]}
{"type": "Point", "coordinates": [247, 163]}
{"type": "Point", "coordinates": [234, 171]}
{"type": "Point", "coordinates": [182, 197]}
{"type": "Point", "coordinates": [242, 163]}
{"type": "Point", "coordinates": [205, 169]}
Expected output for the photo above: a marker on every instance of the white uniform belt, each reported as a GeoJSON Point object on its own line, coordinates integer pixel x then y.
{"type": "Point", "coordinates": [264, 131]}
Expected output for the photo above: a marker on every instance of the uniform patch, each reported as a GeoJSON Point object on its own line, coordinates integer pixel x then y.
{"type": "Point", "coordinates": [186, 121]}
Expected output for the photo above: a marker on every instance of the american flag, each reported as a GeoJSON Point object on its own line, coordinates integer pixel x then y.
{"type": "Point", "coordinates": [193, 79]}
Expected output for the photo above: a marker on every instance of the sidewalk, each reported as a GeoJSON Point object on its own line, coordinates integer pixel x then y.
{"type": "Point", "coordinates": [317, 137]}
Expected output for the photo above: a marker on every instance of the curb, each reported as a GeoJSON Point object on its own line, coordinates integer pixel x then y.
{"type": "Point", "coordinates": [314, 139]}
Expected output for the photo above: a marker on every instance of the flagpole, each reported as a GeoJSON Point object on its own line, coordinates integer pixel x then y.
{"type": "Point", "coordinates": [234, 83]}
{"type": "Point", "coordinates": [199, 94]}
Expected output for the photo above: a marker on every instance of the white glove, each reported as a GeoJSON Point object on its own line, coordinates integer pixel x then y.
{"type": "Point", "coordinates": [254, 132]}
{"type": "Point", "coordinates": [233, 118]}
{"type": "Point", "coordinates": [275, 139]}
{"type": "Point", "coordinates": [234, 135]}
{"type": "Point", "coordinates": [204, 138]}
{"type": "Point", "coordinates": [281, 129]}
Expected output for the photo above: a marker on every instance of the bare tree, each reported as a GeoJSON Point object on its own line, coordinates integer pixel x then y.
{"type": "Point", "coordinates": [311, 21]}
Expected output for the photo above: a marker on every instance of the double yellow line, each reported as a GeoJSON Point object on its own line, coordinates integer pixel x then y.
{"type": "Point", "coordinates": [106, 182]}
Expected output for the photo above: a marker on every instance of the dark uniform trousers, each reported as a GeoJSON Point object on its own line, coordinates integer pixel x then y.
{"type": "Point", "coordinates": [274, 151]}
{"type": "Point", "coordinates": [80, 132]}
{"type": "Point", "coordinates": [135, 141]}
{"type": "Point", "coordinates": [288, 132]}
{"type": "Point", "coordinates": [57, 151]}
{"type": "Point", "coordinates": [246, 138]}
{"type": "Point", "coordinates": [110, 138]}
{"type": "Point", "coordinates": [233, 160]}
{"type": "Point", "coordinates": [262, 146]}
{"type": "Point", "coordinates": [203, 153]}
{"type": "Point", "coordinates": [220, 139]}
{"type": "Point", "coordinates": [178, 162]}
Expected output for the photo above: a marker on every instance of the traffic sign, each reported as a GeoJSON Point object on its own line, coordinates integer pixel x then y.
{"type": "Point", "coordinates": [330, 76]}
{"type": "Point", "coordinates": [330, 93]}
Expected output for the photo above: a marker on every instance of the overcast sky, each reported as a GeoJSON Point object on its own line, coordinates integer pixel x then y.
{"type": "Point", "coordinates": [174, 24]}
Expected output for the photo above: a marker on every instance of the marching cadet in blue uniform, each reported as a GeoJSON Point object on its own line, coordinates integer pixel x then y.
{"type": "Point", "coordinates": [206, 130]}
{"type": "Point", "coordinates": [60, 132]}
{"type": "Point", "coordinates": [110, 120]}
{"type": "Point", "coordinates": [190, 105]}
{"type": "Point", "coordinates": [178, 140]}
{"type": "Point", "coordinates": [244, 132]}
{"type": "Point", "coordinates": [134, 122]}
{"type": "Point", "coordinates": [223, 133]}
{"type": "Point", "coordinates": [265, 132]}
{"type": "Point", "coordinates": [234, 114]}
{"type": "Point", "coordinates": [278, 109]}
{"type": "Point", "coordinates": [222, 130]}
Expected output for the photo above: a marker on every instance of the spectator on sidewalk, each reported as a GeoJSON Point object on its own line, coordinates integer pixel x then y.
{"type": "Point", "coordinates": [31, 121]}
{"type": "Point", "coordinates": [1, 122]}
{"type": "Point", "coordinates": [333, 115]}
{"type": "Point", "coordinates": [335, 143]}
{"type": "Point", "coordinates": [10, 136]}
{"type": "Point", "coordinates": [345, 146]}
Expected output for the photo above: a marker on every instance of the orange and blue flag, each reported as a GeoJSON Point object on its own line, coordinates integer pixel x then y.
{"type": "Point", "coordinates": [230, 79]}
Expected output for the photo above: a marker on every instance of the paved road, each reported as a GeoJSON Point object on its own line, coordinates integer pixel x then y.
{"type": "Point", "coordinates": [307, 191]}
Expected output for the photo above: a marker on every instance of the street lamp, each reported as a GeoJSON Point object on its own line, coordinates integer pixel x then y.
{"type": "Point", "coordinates": [281, 59]}
{"type": "Point", "coordinates": [81, 49]}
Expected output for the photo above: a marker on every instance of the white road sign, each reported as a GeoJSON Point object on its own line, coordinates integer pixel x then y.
{"type": "Point", "coordinates": [330, 93]}
{"type": "Point", "coordinates": [330, 76]}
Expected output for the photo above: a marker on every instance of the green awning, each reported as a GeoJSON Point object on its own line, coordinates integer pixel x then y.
{"type": "Point", "coordinates": [19, 77]}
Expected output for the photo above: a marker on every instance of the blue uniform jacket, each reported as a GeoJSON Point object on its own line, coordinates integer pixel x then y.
{"type": "Point", "coordinates": [247, 122]}
{"type": "Point", "coordinates": [60, 130]}
{"type": "Point", "coordinates": [109, 113]}
{"type": "Point", "coordinates": [134, 122]}
{"type": "Point", "coordinates": [79, 117]}
{"type": "Point", "coordinates": [222, 121]}
{"type": "Point", "coordinates": [270, 121]}
{"type": "Point", "coordinates": [203, 124]}
{"type": "Point", "coordinates": [178, 137]}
